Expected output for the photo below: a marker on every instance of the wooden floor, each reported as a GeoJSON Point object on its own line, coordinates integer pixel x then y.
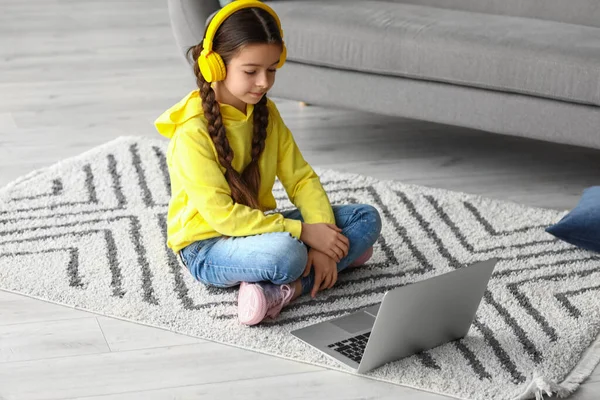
{"type": "Point", "coordinates": [78, 73]}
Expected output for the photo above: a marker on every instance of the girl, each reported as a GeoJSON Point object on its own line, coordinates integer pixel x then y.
{"type": "Point", "coordinates": [227, 145]}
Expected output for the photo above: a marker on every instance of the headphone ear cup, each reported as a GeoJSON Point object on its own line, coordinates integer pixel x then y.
{"type": "Point", "coordinates": [282, 57]}
{"type": "Point", "coordinates": [212, 67]}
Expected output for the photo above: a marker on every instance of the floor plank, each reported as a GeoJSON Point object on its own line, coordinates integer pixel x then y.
{"type": "Point", "coordinates": [138, 370]}
{"type": "Point", "coordinates": [123, 335]}
{"type": "Point", "coordinates": [312, 385]}
{"type": "Point", "coordinates": [49, 339]}
{"type": "Point", "coordinates": [18, 309]}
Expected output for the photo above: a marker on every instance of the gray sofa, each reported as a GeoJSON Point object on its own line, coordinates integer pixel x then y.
{"type": "Point", "coordinates": [528, 68]}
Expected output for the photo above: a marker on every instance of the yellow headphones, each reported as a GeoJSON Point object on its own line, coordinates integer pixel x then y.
{"type": "Point", "coordinates": [211, 64]}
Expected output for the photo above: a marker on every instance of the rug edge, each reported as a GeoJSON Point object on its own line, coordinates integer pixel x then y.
{"type": "Point", "coordinates": [128, 138]}
{"type": "Point", "coordinates": [539, 385]}
{"type": "Point", "coordinates": [58, 164]}
{"type": "Point", "coordinates": [584, 368]}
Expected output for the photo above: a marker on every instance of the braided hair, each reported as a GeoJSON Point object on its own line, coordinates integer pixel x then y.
{"type": "Point", "coordinates": [246, 26]}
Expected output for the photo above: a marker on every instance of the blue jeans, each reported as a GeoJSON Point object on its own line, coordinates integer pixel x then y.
{"type": "Point", "coordinates": [277, 257]}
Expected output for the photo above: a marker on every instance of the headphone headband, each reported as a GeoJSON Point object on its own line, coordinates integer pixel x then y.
{"type": "Point", "coordinates": [229, 9]}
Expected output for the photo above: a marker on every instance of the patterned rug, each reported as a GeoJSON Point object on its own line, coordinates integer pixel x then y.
{"type": "Point", "coordinates": [97, 225]}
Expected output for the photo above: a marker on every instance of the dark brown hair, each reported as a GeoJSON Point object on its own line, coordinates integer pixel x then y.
{"type": "Point", "coordinates": [244, 27]}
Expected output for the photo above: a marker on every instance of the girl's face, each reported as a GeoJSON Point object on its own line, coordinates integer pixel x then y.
{"type": "Point", "coordinates": [250, 74]}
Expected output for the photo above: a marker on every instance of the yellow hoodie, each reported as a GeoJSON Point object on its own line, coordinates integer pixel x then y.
{"type": "Point", "coordinates": [201, 206]}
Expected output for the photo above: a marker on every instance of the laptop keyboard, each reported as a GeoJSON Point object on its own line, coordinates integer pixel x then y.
{"type": "Point", "coordinates": [353, 347]}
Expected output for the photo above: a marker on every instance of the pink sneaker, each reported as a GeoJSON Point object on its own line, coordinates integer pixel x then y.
{"type": "Point", "coordinates": [364, 257]}
{"type": "Point", "coordinates": [256, 301]}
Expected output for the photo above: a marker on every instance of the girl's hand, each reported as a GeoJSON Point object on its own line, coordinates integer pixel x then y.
{"type": "Point", "coordinates": [327, 238]}
{"type": "Point", "coordinates": [325, 271]}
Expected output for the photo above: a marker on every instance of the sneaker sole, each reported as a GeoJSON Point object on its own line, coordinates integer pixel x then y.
{"type": "Point", "coordinates": [254, 304]}
{"type": "Point", "coordinates": [366, 256]}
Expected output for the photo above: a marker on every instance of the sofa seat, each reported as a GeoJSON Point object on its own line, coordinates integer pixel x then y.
{"type": "Point", "coordinates": [511, 54]}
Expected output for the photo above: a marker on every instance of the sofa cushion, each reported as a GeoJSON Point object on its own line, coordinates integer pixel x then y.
{"type": "Point", "coordinates": [582, 12]}
{"type": "Point", "coordinates": [581, 226]}
{"type": "Point", "coordinates": [512, 54]}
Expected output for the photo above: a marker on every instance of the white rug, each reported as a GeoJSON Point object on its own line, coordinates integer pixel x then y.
{"type": "Point", "coordinates": [89, 232]}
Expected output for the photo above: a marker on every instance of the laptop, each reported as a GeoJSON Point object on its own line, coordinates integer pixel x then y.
{"type": "Point", "coordinates": [410, 319]}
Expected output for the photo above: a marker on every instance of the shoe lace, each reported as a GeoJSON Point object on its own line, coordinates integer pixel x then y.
{"type": "Point", "coordinates": [277, 296]}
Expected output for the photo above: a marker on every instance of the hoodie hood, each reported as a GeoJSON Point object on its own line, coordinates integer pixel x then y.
{"type": "Point", "coordinates": [191, 107]}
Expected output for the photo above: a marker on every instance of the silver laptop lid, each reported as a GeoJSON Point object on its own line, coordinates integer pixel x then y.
{"type": "Point", "coordinates": [426, 314]}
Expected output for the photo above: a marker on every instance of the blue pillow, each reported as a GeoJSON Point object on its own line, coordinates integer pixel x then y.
{"type": "Point", "coordinates": [581, 226]}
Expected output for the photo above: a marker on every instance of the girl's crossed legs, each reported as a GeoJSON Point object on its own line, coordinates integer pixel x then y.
{"type": "Point", "coordinates": [277, 257]}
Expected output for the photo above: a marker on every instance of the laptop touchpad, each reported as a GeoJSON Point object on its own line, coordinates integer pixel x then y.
{"type": "Point", "coordinates": [355, 322]}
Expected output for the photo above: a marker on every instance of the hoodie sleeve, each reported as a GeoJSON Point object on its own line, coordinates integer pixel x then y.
{"type": "Point", "coordinates": [301, 183]}
{"type": "Point", "coordinates": [194, 164]}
